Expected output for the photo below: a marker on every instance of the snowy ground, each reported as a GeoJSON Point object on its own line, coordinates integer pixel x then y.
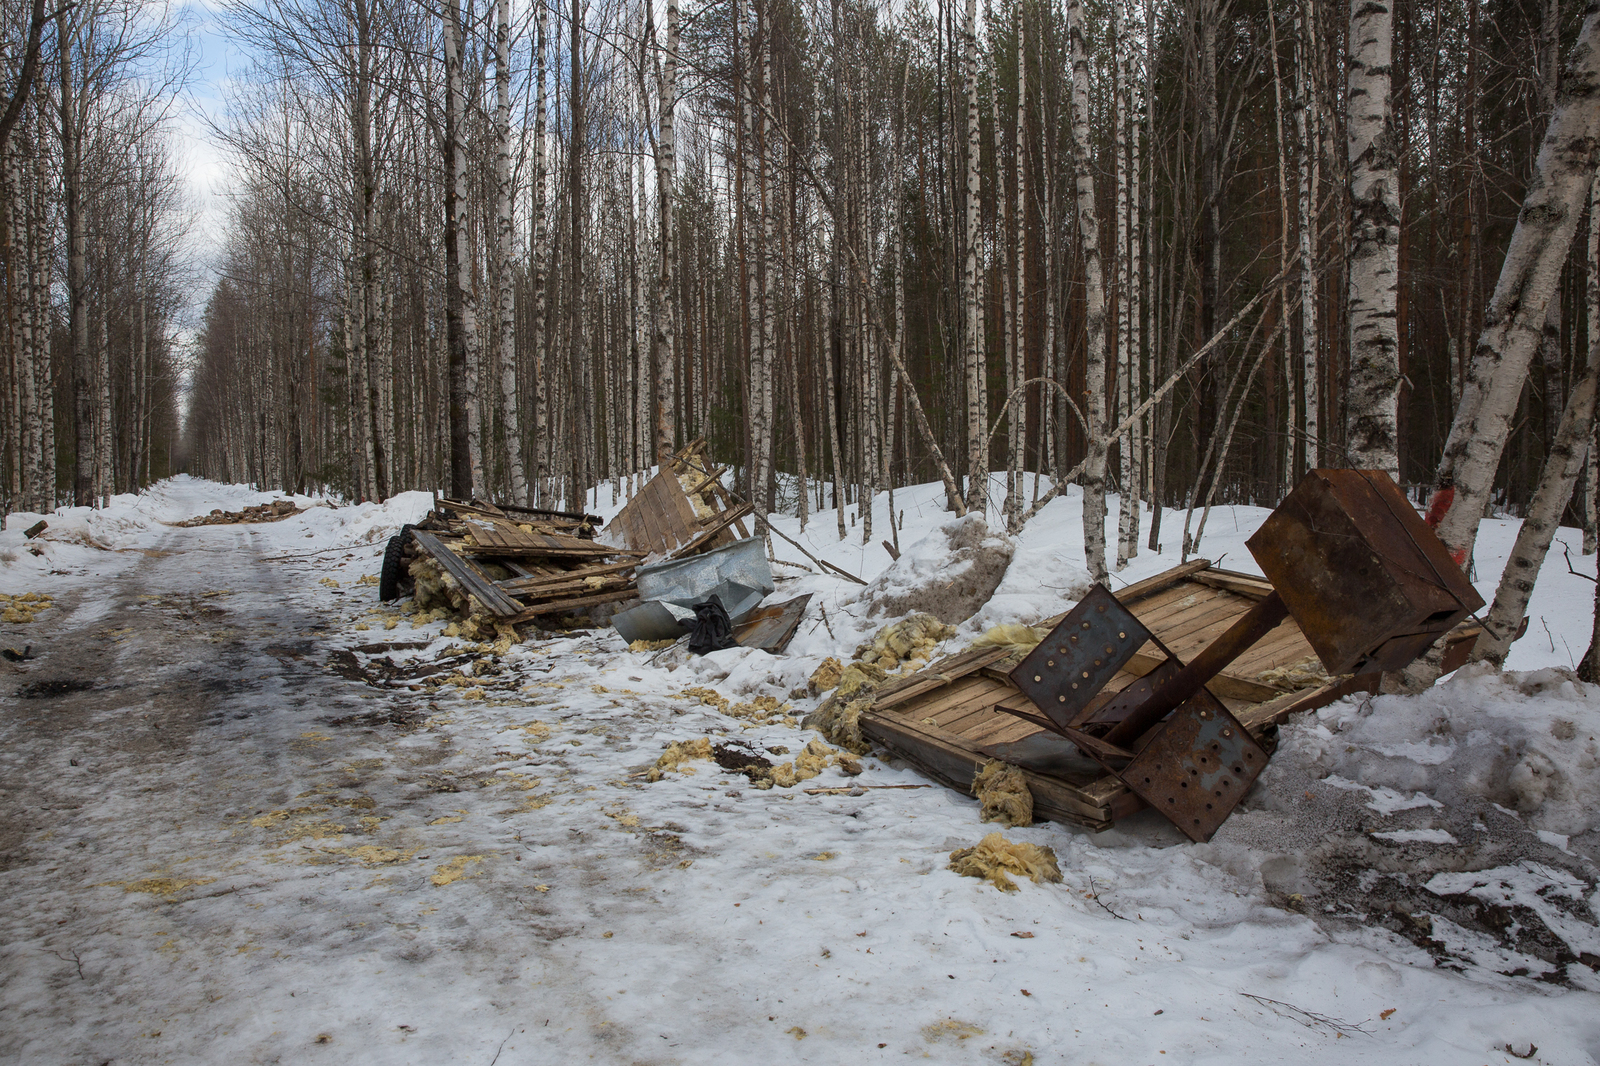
{"type": "Point", "coordinates": [245, 839]}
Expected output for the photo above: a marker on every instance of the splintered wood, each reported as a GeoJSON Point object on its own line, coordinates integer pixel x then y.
{"type": "Point", "coordinates": [522, 563]}
{"type": "Point", "coordinates": [276, 511]}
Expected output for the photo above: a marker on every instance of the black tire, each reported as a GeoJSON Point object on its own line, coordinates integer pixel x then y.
{"type": "Point", "coordinates": [394, 580]}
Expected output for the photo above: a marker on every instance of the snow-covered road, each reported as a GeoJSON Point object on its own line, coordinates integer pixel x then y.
{"type": "Point", "coordinates": [220, 849]}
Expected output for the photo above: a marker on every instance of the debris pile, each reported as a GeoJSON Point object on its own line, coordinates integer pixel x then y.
{"type": "Point", "coordinates": [1175, 706]}
{"type": "Point", "coordinates": [814, 758]}
{"type": "Point", "coordinates": [276, 511]}
{"type": "Point", "coordinates": [950, 573]}
{"type": "Point", "coordinates": [896, 650]}
{"type": "Point", "coordinates": [490, 568]}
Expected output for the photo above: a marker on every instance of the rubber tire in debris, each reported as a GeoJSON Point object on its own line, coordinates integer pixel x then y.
{"type": "Point", "coordinates": [394, 578]}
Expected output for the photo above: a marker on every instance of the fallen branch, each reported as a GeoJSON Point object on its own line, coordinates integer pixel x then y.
{"type": "Point", "coordinates": [1306, 1017]}
{"type": "Point", "coordinates": [1094, 894]}
{"type": "Point", "coordinates": [844, 790]}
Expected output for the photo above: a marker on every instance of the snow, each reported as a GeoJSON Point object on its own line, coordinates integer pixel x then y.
{"type": "Point", "coordinates": [224, 852]}
{"type": "Point", "coordinates": [1418, 836]}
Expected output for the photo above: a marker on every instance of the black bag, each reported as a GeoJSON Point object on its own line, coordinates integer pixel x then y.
{"type": "Point", "coordinates": [713, 629]}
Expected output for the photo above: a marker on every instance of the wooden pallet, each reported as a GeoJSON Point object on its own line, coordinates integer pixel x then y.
{"type": "Point", "coordinates": [946, 719]}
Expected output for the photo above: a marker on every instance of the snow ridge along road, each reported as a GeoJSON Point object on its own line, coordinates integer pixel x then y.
{"type": "Point", "coordinates": [234, 834]}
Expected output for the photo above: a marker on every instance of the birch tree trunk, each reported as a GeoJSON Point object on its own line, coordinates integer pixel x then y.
{"type": "Point", "coordinates": [458, 276]}
{"type": "Point", "coordinates": [977, 432]}
{"type": "Point", "coordinates": [1017, 438]}
{"type": "Point", "coordinates": [510, 419]}
{"type": "Point", "coordinates": [539, 259]}
{"type": "Point", "coordinates": [1514, 320]}
{"type": "Point", "coordinates": [83, 405]}
{"type": "Point", "coordinates": [1560, 474]}
{"type": "Point", "coordinates": [1306, 127]}
{"type": "Point", "coordinates": [768, 262]}
{"type": "Point", "coordinates": [1094, 471]}
{"type": "Point", "coordinates": [1127, 541]}
{"type": "Point", "coordinates": [666, 280]}
{"type": "Point", "coordinates": [1591, 481]}
{"type": "Point", "coordinates": [1372, 400]}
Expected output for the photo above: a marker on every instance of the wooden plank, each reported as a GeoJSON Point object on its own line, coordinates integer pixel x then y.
{"type": "Point", "coordinates": [772, 627]}
{"type": "Point", "coordinates": [1142, 590]}
{"type": "Point", "coordinates": [1201, 608]}
{"type": "Point", "coordinates": [1284, 646]}
{"type": "Point", "coordinates": [1271, 713]}
{"type": "Point", "coordinates": [578, 587]}
{"type": "Point", "coordinates": [975, 705]}
{"type": "Point", "coordinates": [531, 585]}
{"type": "Point", "coordinates": [658, 519]}
{"type": "Point", "coordinates": [472, 579]}
{"type": "Point", "coordinates": [945, 759]}
{"type": "Point", "coordinates": [946, 703]}
{"type": "Point", "coordinates": [562, 606]}
{"type": "Point", "coordinates": [717, 525]}
{"type": "Point", "coordinates": [935, 675]}
{"type": "Point", "coordinates": [1256, 588]}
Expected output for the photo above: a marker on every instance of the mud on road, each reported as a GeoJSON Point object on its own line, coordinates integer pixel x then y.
{"type": "Point", "coordinates": [191, 805]}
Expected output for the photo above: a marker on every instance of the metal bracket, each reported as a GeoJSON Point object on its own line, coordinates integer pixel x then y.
{"type": "Point", "coordinates": [1070, 666]}
{"type": "Point", "coordinates": [1197, 766]}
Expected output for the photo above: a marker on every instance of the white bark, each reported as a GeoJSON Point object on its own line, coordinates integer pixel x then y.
{"type": "Point", "coordinates": [1514, 320]}
{"type": "Point", "coordinates": [1307, 121]}
{"type": "Point", "coordinates": [977, 451]}
{"type": "Point", "coordinates": [1094, 470]}
{"type": "Point", "coordinates": [510, 418]}
{"type": "Point", "coordinates": [1372, 402]}
{"type": "Point", "coordinates": [666, 333]}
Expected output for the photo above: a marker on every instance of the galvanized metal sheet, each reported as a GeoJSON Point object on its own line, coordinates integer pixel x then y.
{"type": "Point", "coordinates": [691, 580]}
{"type": "Point", "coordinates": [1197, 766]}
{"type": "Point", "coordinates": [1070, 666]}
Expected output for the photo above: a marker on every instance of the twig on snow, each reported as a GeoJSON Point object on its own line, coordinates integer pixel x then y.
{"type": "Point", "coordinates": [1307, 1018]}
{"type": "Point", "coordinates": [1094, 894]}
{"type": "Point", "coordinates": [502, 1046]}
{"type": "Point", "coordinates": [1566, 549]}
{"type": "Point", "coordinates": [74, 960]}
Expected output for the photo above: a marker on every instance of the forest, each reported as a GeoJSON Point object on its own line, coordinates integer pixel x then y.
{"type": "Point", "coordinates": [1179, 251]}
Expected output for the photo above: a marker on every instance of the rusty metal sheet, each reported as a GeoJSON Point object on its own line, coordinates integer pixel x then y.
{"type": "Point", "coordinates": [1070, 666]}
{"type": "Point", "coordinates": [1359, 569]}
{"type": "Point", "coordinates": [771, 628]}
{"type": "Point", "coordinates": [1121, 704]}
{"type": "Point", "coordinates": [1196, 767]}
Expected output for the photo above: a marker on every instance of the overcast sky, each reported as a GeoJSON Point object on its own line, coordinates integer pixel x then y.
{"type": "Point", "coordinates": [204, 163]}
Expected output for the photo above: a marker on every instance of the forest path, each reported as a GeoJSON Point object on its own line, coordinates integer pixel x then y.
{"type": "Point", "coordinates": [208, 840]}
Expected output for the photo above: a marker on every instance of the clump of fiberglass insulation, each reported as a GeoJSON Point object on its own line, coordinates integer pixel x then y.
{"type": "Point", "coordinates": [438, 597]}
{"type": "Point", "coordinates": [896, 650]}
{"type": "Point", "coordinates": [1003, 793]}
{"type": "Point", "coordinates": [995, 857]}
{"type": "Point", "coordinates": [678, 753]}
{"type": "Point", "coordinates": [949, 573]}
{"type": "Point", "coordinates": [812, 760]}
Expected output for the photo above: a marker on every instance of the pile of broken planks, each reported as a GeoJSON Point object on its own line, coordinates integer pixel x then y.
{"type": "Point", "coordinates": [276, 511]}
{"type": "Point", "coordinates": [518, 563]}
{"type": "Point", "coordinates": [524, 564]}
{"type": "Point", "coordinates": [948, 719]}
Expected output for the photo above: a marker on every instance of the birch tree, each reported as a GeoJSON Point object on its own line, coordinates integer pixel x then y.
{"type": "Point", "coordinates": [1374, 389]}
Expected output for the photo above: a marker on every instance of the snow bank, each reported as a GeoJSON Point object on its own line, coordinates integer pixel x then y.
{"type": "Point", "coordinates": [949, 573]}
